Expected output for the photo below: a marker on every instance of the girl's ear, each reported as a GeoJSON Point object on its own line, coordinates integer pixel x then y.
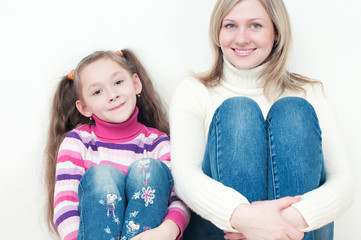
{"type": "Point", "coordinates": [83, 109]}
{"type": "Point", "coordinates": [137, 83]}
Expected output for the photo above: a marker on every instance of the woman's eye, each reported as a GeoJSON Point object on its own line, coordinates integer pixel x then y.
{"type": "Point", "coordinates": [255, 26]}
{"type": "Point", "coordinates": [230, 26]}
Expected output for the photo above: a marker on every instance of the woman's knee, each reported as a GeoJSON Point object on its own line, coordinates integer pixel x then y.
{"type": "Point", "coordinates": [292, 107]}
{"type": "Point", "coordinates": [238, 113]}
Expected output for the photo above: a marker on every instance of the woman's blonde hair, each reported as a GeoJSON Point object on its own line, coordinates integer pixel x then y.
{"type": "Point", "coordinates": [65, 116]}
{"type": "Point", "coordinates": [275, 75]}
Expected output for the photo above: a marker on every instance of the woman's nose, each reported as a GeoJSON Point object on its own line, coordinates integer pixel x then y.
{"type": "Point", "coordinates": [243, 36]}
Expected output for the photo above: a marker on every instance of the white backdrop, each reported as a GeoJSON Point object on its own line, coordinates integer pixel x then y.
{"type": "Point", "coordinates": [42, 40]}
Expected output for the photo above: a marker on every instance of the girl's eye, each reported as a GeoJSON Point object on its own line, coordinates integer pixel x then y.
{"type": "Point", "coordinates": [255, 26]}
{"type": "Point", "coordinates": [97, 92]}
{"type": "Point", "coordinates": [230, 26]}
{"type": "Point", "coordinates": [118, 82]}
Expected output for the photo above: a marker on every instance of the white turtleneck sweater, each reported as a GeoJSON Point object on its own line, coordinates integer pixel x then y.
{"type": "Point", "coordinates": [191, 112]}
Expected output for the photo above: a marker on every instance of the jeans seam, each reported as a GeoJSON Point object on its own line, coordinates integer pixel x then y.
{"type": "Point", "coordinates": [271, 159]}
{"type": "Point", "coordinates": [81, 220]}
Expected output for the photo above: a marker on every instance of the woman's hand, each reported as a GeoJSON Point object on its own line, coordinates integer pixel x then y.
{"type": "Point", "coordinates": [168, 230]}
{"type": "Point", "coordinates": [263, 220]}
{"type": "Point", "coordinates": [232, 235]}
{"type": "Point", "coordinates": [294, 217]}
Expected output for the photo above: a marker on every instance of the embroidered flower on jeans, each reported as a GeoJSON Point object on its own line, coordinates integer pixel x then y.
{"type": "Point", "coordinates": [136, 195]}
{"type": "Point", "coordinates": [107, 230]}
{"type": "Point", "coordinates": [116, 220]}
{"type": "Point", "coordinates": [143, 165]}
{"type": "Point", "coordinates": [148, 195]}
{"type": "Point", "coordinates": [133, 214]}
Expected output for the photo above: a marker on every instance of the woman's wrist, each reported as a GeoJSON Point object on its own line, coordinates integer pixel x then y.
{"type": "Point", "coordinates": [294, 217]}
{"type": "Point", "coordinates": [235, 215]}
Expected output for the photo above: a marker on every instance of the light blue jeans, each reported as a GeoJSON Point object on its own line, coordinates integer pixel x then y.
{"type": "Point", "coordinates": [114, 206]}
{"type": "Point", "coordinates": [263, 159]}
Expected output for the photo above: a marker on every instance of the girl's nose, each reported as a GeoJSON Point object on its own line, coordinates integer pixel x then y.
{"type": "Point", "coordinates": [113, 96]}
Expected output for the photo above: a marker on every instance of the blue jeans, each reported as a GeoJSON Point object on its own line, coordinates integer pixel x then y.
{"type": "Point", "coordinates": [114, 206]}
{"type": "Point", "coordinates": [263, 159]}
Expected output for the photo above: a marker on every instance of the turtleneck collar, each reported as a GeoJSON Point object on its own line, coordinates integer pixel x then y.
{"type": "Point", "coordinates": [243, 79]}
{"type": "Point", "coordinates": [118, 131]}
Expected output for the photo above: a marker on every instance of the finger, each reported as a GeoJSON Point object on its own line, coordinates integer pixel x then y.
{"type": "Point", "coordinates": [137, 237]}
{"type": "Point", "coordinates": [231, 235]}
{"type": "Point", "coordinates": [294, 233]}
{"type": "Point", "coordinates": [287, 201]}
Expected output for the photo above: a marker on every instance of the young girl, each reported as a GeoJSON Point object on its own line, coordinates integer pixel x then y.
{"type": "Point", "coordinates": [109, 154]}
{"type": "Point", "coordinates": [257, 136]}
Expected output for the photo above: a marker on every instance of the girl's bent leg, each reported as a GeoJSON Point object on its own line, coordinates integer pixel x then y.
{"type": "Point", "coordinates": [101, 203]}
{"type": "Point", "coordinates": [296, 159]}
{"type": "Point", "coordinates": [235, 155]}
{"type": "Point", "coordinates": [149, 184]}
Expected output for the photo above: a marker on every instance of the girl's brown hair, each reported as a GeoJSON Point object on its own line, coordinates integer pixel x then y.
{"type": "Point", "coordinates": [275, 76]}
{"type": "Point", "coordinates": [65, 116]}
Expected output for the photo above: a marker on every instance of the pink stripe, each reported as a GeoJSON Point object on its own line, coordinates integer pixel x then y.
{"type": "Point", "coordinates": [76, 161]}
{"type": "Point", "coordinates": [72, 236]}
{"type": "Point", "coordinates": [179, 217]}
{"type": "Point", "coordinates": [165, 157]}
{"type": "Point", "coordinates": [65, 198]}
{"type": "Point", "coordinates": [67, 152]}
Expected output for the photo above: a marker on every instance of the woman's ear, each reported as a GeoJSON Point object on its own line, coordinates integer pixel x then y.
{"type": "Point", "coordinates": [83, 109]}
{"type": "Point", "coordinates": [137, 83]}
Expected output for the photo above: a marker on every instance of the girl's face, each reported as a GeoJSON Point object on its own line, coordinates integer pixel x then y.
{"type": "Point", "coordinates": [247, 35]}
{"type": "Point", "coordinates": [108, 90]}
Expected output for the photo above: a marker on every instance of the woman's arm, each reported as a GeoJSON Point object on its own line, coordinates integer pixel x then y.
{"type": "Point", "coordinates": [189, 111]}
{"type": "Point", "coordinates": [324, 204]}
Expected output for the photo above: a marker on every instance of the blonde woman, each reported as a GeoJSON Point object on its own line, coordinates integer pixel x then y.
{"type": "Point", "coordinates": [256, 153]}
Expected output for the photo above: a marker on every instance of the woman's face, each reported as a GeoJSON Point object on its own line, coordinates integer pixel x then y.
{"type": "Point", "coordinates": [247, 35]}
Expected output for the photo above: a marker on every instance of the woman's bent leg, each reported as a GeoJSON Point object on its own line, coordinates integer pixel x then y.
{"type": "Point", "coordinates": [149, 184]}
{"type": "Point", "coordinates": [235, 155]}
{"type": "Point", "coordinates": [296, 163]}
{"type": "Point", "coordinates": [101, 203]}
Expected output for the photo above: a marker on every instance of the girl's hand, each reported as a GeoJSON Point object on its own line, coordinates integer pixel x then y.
{"type": "Point", "coordinates": [263, 220]}
{"type": "Point", "coordinates": [232, 235]}
{"type": "Point", "coordinates": [168, 230]}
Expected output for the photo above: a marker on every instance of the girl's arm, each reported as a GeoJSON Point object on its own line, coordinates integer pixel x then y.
{"type": "Point", "coordinates": [69, 170]}
{"type": "Point", "coordinates": [178, 213]}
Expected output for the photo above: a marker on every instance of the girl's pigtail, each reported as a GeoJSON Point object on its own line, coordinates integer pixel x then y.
{"type": "Point", "coordinates": [151, 110]}
{"type": "Point", "coordinates": [64, 118]}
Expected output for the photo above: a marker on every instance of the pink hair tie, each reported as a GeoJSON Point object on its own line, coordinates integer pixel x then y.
{"type": "Point", "coordinates": [71, 75]}
{"type": "Point", "coordinates": [120, 53]}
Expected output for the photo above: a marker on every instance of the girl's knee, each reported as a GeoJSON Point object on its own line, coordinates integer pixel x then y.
{"type": "Point", "coordinates": [149, 171]}
{"type": "Point", "coordinates": [102, 178]}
